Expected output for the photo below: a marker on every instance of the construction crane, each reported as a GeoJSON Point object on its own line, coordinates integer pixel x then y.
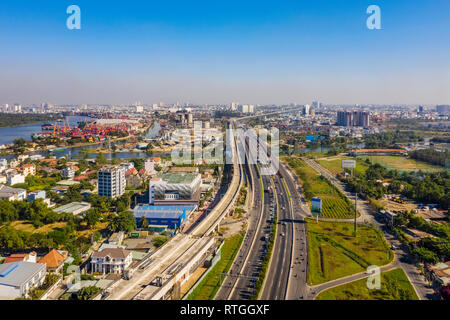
{"type": "Point", "coordinates": [55, 129]}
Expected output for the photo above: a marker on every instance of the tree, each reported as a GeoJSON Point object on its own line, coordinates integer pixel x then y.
{"type": "Point", "coordinates": [101, 159]}
{"type": "Point", "coordinates": [124, 221]}
{"type": "Point", "coordinates": [424, 255]}
{"type": "Point", "coordinates": [92, 217]}
{"type": "Point", "coordinates": [143, 222]}
{"type": "Point", "coordinates": [87, 292]}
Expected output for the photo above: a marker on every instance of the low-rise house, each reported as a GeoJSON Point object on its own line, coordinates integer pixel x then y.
{"type": "Point", "coordinates": [439, 274]}
{"type": "Point", "coordinates": [29, 169]}
{"type": "Point", "coordinates": [54, 260]}
{"type": "Point", "coordinates": [68, 173]}
{"type": "Point", "coordinates": [116, 238]}
{"type": "Point", "coordinates": [41, 194]}
{"type": "Point", "coordinates": [17, 278]}
{"type": "Point", "coordinates": [12, 194]}
{"type": "Point", "coordinates": [27, 257]}
{"type": "Point", "coordinates": [111, 261]}
{"type": "Point", "coordinates": [15, 178]}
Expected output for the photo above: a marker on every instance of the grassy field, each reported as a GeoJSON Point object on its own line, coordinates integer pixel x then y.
{"type": "Point", "coordinates": [402, 163]}
{"type": "Point", "coordinates": [394, 286]}
{"type": "Point", "coordinates": [28, 226]}
{"type": "Point", "coordinates": [333, 251]}
{"type": "Point", "coordinates": [209, 286]}
{"type": "Point", "coordinates": [333, 164]}
{"type": "Point", "coordinates": [334, 204]}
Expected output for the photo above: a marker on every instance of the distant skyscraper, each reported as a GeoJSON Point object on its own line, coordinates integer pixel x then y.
{"type": "Point", "coordinates": [316, 104]}
{"type": "Point", "coordinates": [443, 109]}
{"type": "Point", "coordinates": [353, 118]}
{"type": "Point", "coordinates": [306, 108]}
{"type": "Point", "coordinates": [111, 182]}
{"type": "Point", "coordinates": [243, 108]}
{"type": "Point", "coordinates": [233, 106]}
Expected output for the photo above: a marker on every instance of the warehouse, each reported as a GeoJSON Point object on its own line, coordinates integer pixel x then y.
{"type": "Point", "coordinates": [163, 216]}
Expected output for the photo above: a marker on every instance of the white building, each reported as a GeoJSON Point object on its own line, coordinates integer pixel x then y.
{"type": "Point", "coordinates": [68, 173]}
{"type": "Point", "coordinates": [17, 278]}
{"type": "Point", "coordinates": [149, 166]}
{"type": "Point", "coordinates": [12, 194]}
{"type": "Point", "coordinates": [111, 182]}
{"type": "Point", "coordinates": [15, 178]}
{"type": "Point", "coordinates": [127, 165]}
{"type": "Point", "coordinates": [113, 260]}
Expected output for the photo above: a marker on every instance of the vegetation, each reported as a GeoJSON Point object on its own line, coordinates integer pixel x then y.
{"type": "Point", "coordinates": [429, 250]}
{"type": "Point", "coordinates": [334, 165]}
{"type": "Point", "coordinates": [391, 139]}
{"type": "Point", "coordinates": [335, 252]}
{"type": "Point", "coordinates": [50, 280]}
{"type": "Point", "coordinates": [334, 203]}
{"type": "Point", "coordinates": [432, 156]}
{"type": "Point", "coordinates": [401, 163]}
{"type": "Point", "coordinates": [208, 287]}
{"type": "Point", "coordinates": [14, 120]}
{"type": "Point", "coordinates": [419, 186]}
{"type": "Point", "coordinates": [87, 293]}
{"type": "Point", "coordinates": [394, 286]}
{"type": "Point", "coordinates": [159, 241]}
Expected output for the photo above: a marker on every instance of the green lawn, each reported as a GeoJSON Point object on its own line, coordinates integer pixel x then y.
{"type": "Point", "coordinates": [334, 205]}
{"type": "Point", "coordinates": [394, 286]}
{"type": "Point", "coordinates": [333, 251]}
{"type": "Point", "coordinates": [209, 286]}
{"type": "Point", "coordinates": [334, 165]}
{"type": "Point", "coordinates": [401, 163]}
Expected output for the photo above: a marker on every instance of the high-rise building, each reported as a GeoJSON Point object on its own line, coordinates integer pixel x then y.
{"type": "Point", "coordinates": [190, 118]}
{"type": "Point", "coordinates": [243, 108]}
{"type": "Point", "coordinates": [306, 108]}
{"type": "Point", "coordinates": [316, 104]}
{"type": "Point", "coordinates": [111, 182]}
{"type": "Point", "coordinates": [353, 118]}
{"type": "Point", "coordinates": [251, 108]}
{"type": "Point", "coordinates": [233, 106]}
{"type": "Point", "coordinates": [443, 109]}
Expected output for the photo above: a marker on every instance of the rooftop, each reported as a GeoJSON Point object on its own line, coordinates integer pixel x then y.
{"type": "Point", "coordinates": [162, 211]}
{"type": "Point", "coordinates": [177, 178]}
{"type": "Point", "coordinates": [17, 273]}
{"type": "Point", "coordinates": [73, 207]}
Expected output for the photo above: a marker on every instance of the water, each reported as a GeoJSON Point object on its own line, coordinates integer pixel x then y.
{"type": "Point", "coordinates": [8, 135]}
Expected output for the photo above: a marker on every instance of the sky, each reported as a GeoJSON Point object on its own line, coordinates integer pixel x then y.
{"type": "Point", "coordinates": [216, 52]}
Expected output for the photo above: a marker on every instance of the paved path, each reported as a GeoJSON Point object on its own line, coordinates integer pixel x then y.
{"type": "Point", "coordinates": [423, 290]}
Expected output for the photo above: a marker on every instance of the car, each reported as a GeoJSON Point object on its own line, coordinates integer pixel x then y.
{"type": "Point", "coordinates": [282, 234]}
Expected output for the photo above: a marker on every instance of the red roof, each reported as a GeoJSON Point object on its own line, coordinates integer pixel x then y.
{"type": "Point", "coordinates": [16, 257]}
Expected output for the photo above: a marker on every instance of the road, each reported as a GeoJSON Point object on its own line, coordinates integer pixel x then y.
{"type": "Point", "coordinates": [174, 250]}
{"type": "Point", "coordinates": [239, 284]}
{"type": "Point", "coordinates": [423, 290]}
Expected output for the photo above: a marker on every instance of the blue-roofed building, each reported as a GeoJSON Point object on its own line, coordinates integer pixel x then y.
{"type": "Point", "coordinates": [159, 216]}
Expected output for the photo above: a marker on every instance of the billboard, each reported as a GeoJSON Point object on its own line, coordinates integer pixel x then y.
{"type": "Point", "coordinates": [316, 206]}
{"type": "Point", "coordinates": [311, 138]}
{"type": "Point", "coordinates": [348, 164]}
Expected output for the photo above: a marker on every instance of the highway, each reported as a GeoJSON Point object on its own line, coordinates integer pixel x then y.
{"type": "Point", "coordinates": [402, 259]}
{"type": "Point", "coordinates": [174, 251]}
{"type": "Point", "coordinates": [239, 284]}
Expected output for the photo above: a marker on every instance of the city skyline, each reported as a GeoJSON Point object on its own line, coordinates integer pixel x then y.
{"type": "Point", "coordinates": [217, 53]}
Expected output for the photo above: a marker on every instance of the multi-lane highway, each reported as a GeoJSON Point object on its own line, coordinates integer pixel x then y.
{"type": "Point", "coordinates": [175, 250]}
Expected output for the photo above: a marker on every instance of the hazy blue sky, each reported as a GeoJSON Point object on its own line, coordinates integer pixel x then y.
{"type": "Point", "coordinates": [221, 51]}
